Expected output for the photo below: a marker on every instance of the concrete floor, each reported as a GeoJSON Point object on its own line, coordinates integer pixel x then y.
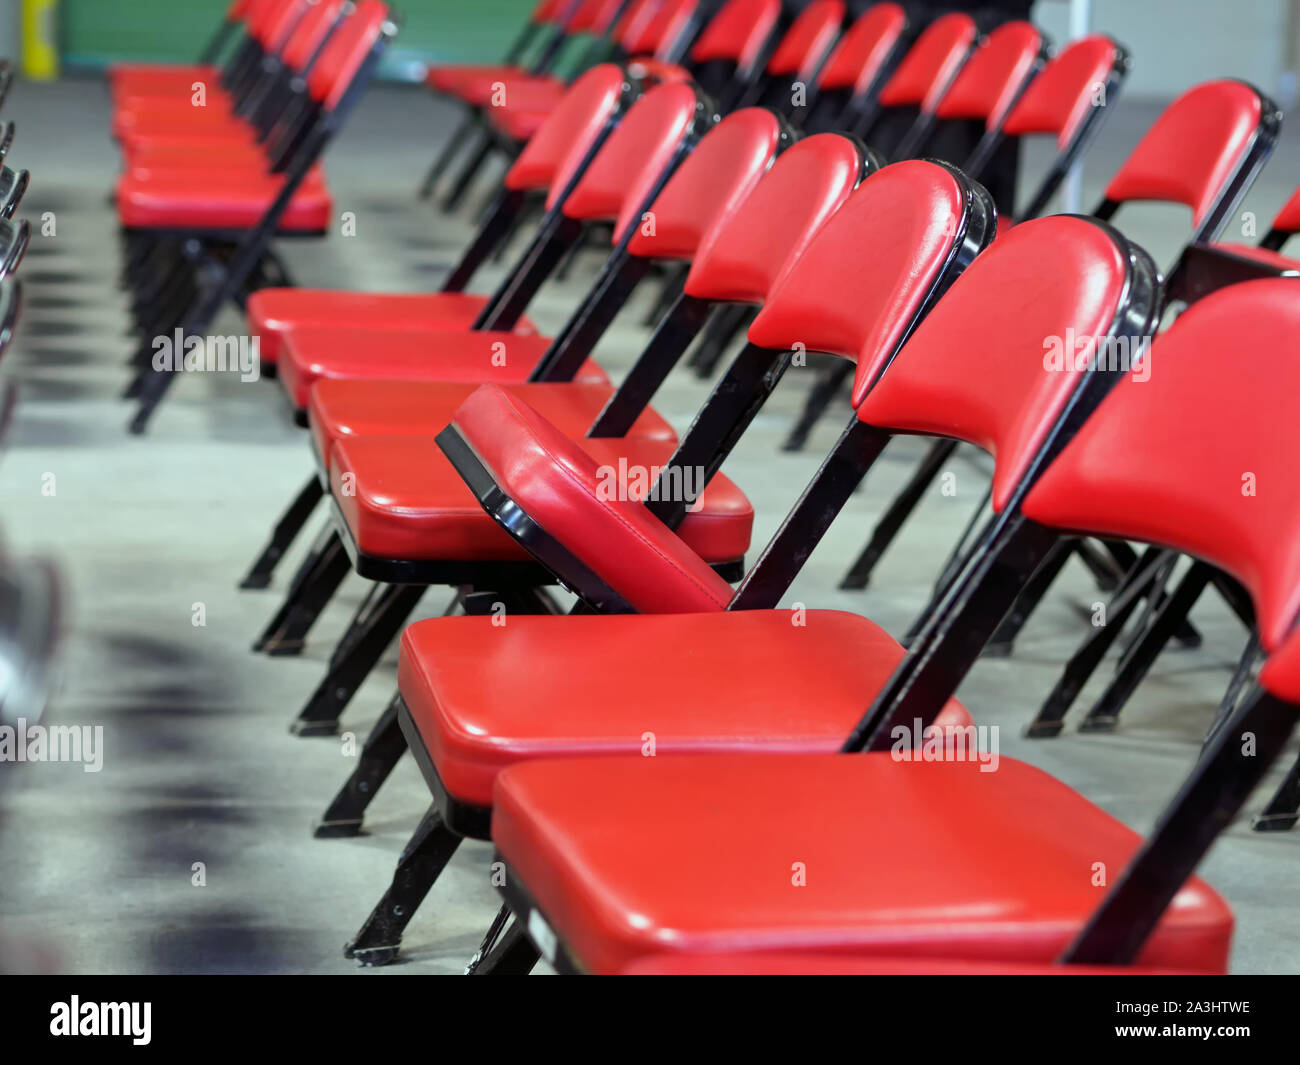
{"type": "Point", "coordinates": [97, 868]}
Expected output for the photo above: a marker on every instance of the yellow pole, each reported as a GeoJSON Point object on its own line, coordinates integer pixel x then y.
{"type": "Point", "coordinates": [40, 39]}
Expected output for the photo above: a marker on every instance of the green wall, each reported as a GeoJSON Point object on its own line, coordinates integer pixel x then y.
{"type": "Point", "coordinates": [96, 32]}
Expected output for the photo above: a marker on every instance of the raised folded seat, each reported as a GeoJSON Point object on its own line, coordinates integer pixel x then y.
{"type": "Point", "coordinates": [400, 499]}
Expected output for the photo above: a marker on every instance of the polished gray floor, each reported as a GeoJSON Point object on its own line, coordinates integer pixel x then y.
{"type": "Point", "coordinates": [97, 870]}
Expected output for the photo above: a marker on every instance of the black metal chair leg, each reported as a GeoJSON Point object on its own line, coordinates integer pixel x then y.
{"type": "Point", "coordinates": [425, 857]}
{"type": "Point", "coordinates": [382, 749]}
{"type": "Point", "coordinates": [287, 631]}
{"type": "Point", "coordinates": [319, 717]}
{"type": "Point", "coordinates": [448, 154]}
{"type": "Point", "coordinates": [1250, 658]}
{"type": "Point", "coordinates": [1051, 715]}
{"type": "Point", "coordinates": [286, 530]}
{"type": "Point", "coordinates": [819, 398]}
{"type": "Point", "coordinates": [1105, 712]}
{"type": "Point", "coordinates": [1283, 810]}
{"type": "Point", "coordinates": [508, 953]}
{"type": "Point", "coordinates": [461, 186]}
{"type": "Point", "coordinates": [1004, 639]}
{"type": "Point", "coordinates": [899, 510]}
{"type": "Point", "coordinates": [359, 624]}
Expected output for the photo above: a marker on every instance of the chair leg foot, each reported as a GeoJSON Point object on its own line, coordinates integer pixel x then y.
{"type": "Point", "coordinates": [424, 858]}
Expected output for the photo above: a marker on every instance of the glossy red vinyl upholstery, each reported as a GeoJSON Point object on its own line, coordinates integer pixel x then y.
{"type": "Point", "coordinates": [994, 75]}
{"type": "Point", "coordinates": [352, 408]}
{"type": "Point", "coordinates": [745, 256]}
{"type": "Point", "coordinates": [930, 64]}
{"type": "Point", "coordinates": [918, 859]}
{"type": "Point", "coordinates": [738, 32]}
{"type": "Point", "coordinates": [1052, 275]}
{"type": "Point", "coordinates": [315, 353]}
{"type": "Point", "coordinates": [1172, 162]}
{"type": "Point", "coordinates": [1060, 97]}
{"type": "Point", "coordinates": [755, 963]}
{"type": "Point", "coordinates": [273, 312]}
{"type": "Point", "coordinates": [184, 200]}
{"type": "Point", "coordinates": [838, 301]}
{"type": "Point", "coordinates": [1229, 496]}
{"type": "Point", "coordinates": [862, 52]}
{"type": "Point", "coordinates": [766, 681]}
{"type": "Point", "coordinates": [633, 159]}
{"type": "Point", "coordinates": [404, 500]}
{"type": "Point", "coordinates": [807, 41]}
{"type": "Point", "coordinates": [561, 487]}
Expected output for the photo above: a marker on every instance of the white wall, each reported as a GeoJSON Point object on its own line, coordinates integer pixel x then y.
{"type": "Point", "coordinates": [1176, 43]}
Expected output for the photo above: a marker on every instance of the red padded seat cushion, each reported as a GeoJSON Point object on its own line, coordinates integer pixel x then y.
{"type": "Point", "coordinates": [186, 200]}
{"type": "Point", "coordinates": [631, 857]}
{"type": "Point", "coordinates": [487, 696]}
{"type": "Point", "coordinates": [311, 353]}
{"type": "Point", "coordinates": [339, 409]}
{"type": "Point", "coordinates": [273, 311]}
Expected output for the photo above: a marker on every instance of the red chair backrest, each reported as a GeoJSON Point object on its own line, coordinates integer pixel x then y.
{"type": "Point", "coordinates": [806, 42]}
{"type": "Point", "coordinates": [310, 33]}
{"type": "Point", "coordinates": [930, 64]}
{"type": "Point", "coordinates": [738, 32]}
{"type": "Point", "coordinates": [994, 75]}
{"type": "Point", "coordinates": [1060, 97]}
{"type": "Point", "coordinates": [281, 27]}
{"type": "Point", "coordinates": [749, 253]}
{"type": "Point", "coordinates": [595, 16]}
{"type": "Point", "coordinates": [709, 186]}
{"type": "Point", "coordinates": [975, 369]}
{"type": "Point", "coordinates": [1288, 218]}
{"type": "Point", "coordinates": [1198, 453]}
{"type": "Point", "coordinates": [654, 27]}
{"type": "Point", "coordinates": [862, 52]}
{"type": "Point", "coordinates": [1193, 149]}
{"type": "Point", "coordinates": [345, 52]}
{"type": "Point", "coordinates": [557, 149]}
{"type": "Point", "coordinates": [631, 161]}
{"type": "Point", "coordinates": [839, 300]}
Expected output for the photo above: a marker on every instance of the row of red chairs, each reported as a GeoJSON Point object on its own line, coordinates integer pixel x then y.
{"type": "Point", "coordinates": [458, 447]}
{"type": "Point", "coordinates": [218, 163]}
